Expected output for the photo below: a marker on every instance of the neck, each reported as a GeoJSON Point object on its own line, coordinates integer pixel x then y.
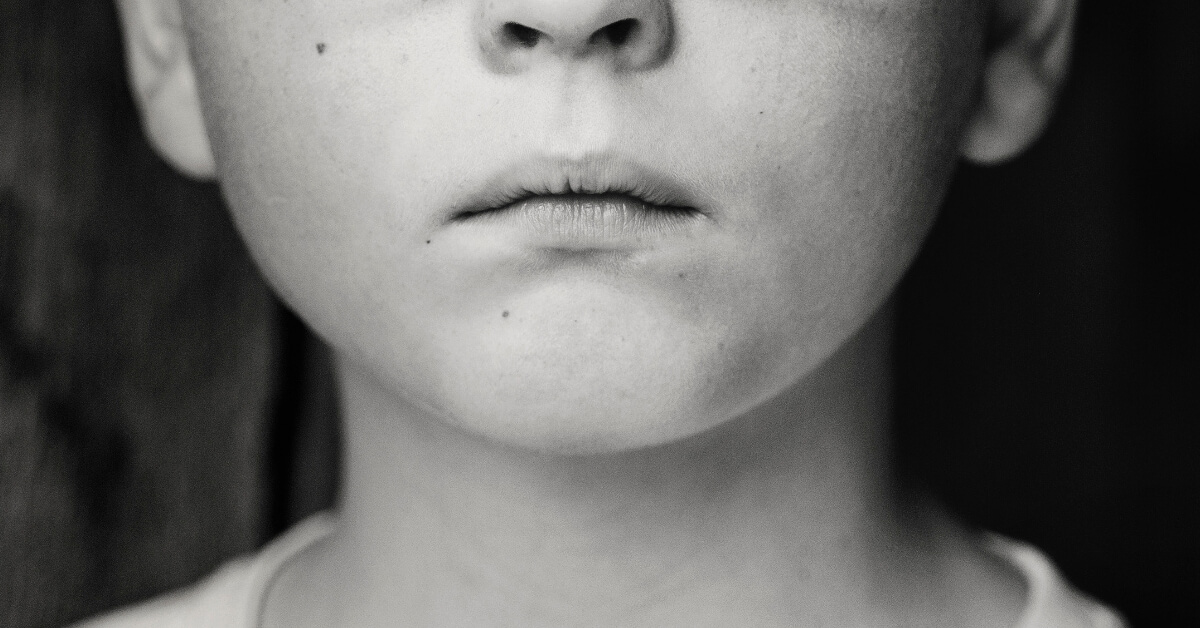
{"type": "Point", "coordinates": [788, 513]}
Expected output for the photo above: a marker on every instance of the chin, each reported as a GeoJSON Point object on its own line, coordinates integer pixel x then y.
{"type": "Point", "coordinates": [597, 384]}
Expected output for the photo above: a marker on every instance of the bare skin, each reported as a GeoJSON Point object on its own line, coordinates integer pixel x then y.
{"type": "Point", "coordinates": [669, 426]}
{"type": "Point", "coordinates": [788, 516]}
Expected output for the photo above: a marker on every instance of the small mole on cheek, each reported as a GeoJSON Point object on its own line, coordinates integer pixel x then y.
{"type": "Point", "coordinates": [321, 48]}
{"type": "Point", "coordinates": [428, 241]}
{"type": "Point", "coordinates": [504, 314]}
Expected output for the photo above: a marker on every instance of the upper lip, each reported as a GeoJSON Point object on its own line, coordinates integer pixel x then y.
{"type": "Point", "coordinates": [545, 175]}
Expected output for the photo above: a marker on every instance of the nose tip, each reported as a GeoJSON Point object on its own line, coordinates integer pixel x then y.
{"type": "Point", "coordinates": [631, 34]}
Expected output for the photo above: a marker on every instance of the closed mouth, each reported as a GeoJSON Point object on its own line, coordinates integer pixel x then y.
{"type": "Point", "coordinates": [592, 181]}
{"type": "Point", "coordinates": [587, 221]}
{"type": "Point", "coordinates": [582, 199]}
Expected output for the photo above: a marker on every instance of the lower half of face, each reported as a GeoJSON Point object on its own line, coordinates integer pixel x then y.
{"type": "Point", "coordinates": [370, 151]}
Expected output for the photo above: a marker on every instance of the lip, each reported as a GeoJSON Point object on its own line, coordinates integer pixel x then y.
{"type": "Point", "coordinates": [596, 201]}
{"type": "Point", "coordinates": [589, 219]}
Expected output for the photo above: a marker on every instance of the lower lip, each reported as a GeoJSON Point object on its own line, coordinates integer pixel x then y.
{"type": "Point", "coordinates": [588, 220]}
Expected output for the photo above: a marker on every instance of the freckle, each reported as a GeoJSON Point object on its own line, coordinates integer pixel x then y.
{"type": "Point", "coordinates": [321, 48]}
{"type": "Point", "coordinates": [428, 241]}
{"type": "Point", "coordinates": [504, 314]}
{"type": "Point", "coordinates": [760, 113]}
{"type": "Point", "coordinates": [682, 275]}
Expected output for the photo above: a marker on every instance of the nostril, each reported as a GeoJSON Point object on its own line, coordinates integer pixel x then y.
{"type": "Point", "coordinates": [620, 35]}
{"type": "Point", "coordinates": [616, 33]}
{"type": "Point", "coordinates": [521, 35]}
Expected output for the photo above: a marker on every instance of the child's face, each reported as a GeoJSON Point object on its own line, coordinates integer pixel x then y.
{"type": "Point", "coordinates": [815, 137]}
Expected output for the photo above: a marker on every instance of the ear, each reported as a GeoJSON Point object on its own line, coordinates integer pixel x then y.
{"type": "Point", "coordinates": [1024, 69]}
{"type": "Point", "coordinates": [164, 84]}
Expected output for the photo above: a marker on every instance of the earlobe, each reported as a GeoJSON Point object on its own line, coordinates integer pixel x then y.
{"type": "Point", "coordinates": [1022, 74]}
{"type": "Point", "coordinates": [163, 81]}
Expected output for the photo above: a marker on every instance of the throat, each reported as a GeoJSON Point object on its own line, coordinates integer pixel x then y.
{"type": "Point", "coordinates": [788, 514]}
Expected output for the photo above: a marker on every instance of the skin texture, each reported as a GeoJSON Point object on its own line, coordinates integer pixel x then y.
{"type": "Point", "coordinates": [687, 429]}
{"type": "Point", "coordinates": [760, 109]}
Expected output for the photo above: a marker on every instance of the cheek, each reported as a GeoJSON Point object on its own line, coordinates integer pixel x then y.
{"type": "Point", "coordinates": [306, 109]}
{"type": "Point", "coordinates": [834, 115]}
{"type": "Point", "coordinates": [836, 135]}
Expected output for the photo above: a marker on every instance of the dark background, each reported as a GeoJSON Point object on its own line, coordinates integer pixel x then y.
{"type": "Point", "coordinates": [159, 412]}
{"type": "Point", "coordinates": [1050, 333]}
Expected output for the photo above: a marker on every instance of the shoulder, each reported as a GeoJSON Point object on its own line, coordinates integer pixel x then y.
{"type": "Point", "coordinates": [228, 598]}
{"type": "Point", "coordinates": [218, 600]}
{"type": "Point", "coordinates": [1051, 601]}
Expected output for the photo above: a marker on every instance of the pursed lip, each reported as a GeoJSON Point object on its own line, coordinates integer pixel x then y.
{"type": "Point", "coordinates": [601, 175]}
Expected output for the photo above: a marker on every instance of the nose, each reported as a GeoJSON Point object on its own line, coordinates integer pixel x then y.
{"type": "Point", "coordinates": [630, 34]}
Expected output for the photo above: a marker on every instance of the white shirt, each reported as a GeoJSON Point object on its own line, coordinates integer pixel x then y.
{"type": "Point", "coordinates": [232, 597]}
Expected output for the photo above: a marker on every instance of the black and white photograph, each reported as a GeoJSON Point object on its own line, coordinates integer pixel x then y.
{"type": "Point", "coordinates": [599, 314]}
